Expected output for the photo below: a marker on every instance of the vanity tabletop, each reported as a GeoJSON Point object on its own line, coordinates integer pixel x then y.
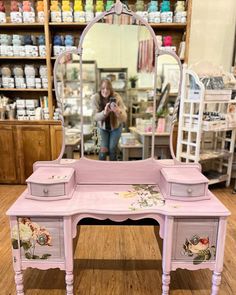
{"type": "Point", "coordinates": [116, 200]}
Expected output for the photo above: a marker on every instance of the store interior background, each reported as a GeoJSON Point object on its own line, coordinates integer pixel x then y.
{"type": "Point", "coordinates": [212, 36]}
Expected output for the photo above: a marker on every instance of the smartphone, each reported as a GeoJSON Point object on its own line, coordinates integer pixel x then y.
{"type": "Point", "coordinates": [112, 99]}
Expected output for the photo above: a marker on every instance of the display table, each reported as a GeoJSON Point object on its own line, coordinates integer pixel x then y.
{"type": "Point", "coordinates": [161, 142]}
{"type": "Point", "coordinates": [70, 146]}
{"type": "Point", "coordinates": [42, 232]}
{"type": "Point", "coordinates": [131, 150]}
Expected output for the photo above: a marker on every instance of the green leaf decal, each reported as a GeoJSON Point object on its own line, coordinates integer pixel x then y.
{"type": "Point", "coordinates": [198, 259]}
{"type": "Point", "coordinates": [14, 243]}
{"type": "Point", "coordinates": [28, 255]}
{"type": "Point", "coordinates": [45, 256]}
{"type": "Point", "coordinates": [208, 256]}
{"type": "Point", "coordinates": [26, 245]}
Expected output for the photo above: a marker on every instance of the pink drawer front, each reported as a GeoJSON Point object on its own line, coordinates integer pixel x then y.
{"type": "Point", "coordinates": [190, 190]}
{"type": "Point", "coordinates": [47, 190]}
{"type": "Point", "coordinates": [194, 239]}
{"type": "Point", "coordinates": [41, 239]}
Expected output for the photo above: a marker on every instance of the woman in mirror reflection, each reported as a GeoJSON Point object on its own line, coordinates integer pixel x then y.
{"type": "Point", "coordinates": [110, 113]}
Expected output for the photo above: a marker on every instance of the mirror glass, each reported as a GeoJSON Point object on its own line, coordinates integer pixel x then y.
{"type": "Point", "coordinates": [118, 70]}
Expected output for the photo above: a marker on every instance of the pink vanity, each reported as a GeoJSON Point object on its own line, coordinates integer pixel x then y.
{"type": "Point", "coordinates": [193, 232]}
{"type": "Point", "coordinates": [61, 193]}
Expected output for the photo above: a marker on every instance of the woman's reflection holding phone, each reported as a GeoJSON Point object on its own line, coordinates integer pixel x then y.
{"type": "Point", "coordinates": [109, 112]}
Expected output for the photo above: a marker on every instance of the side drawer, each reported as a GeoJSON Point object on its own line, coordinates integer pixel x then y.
{"type": "Point", "coordinates": [47, 190]}
{"type": "Point", "coordinates": [194, 239]}
{"type": "Point", "coordinates": [41, 238]}
{"type": "Point", "coordinates": [190, 190]}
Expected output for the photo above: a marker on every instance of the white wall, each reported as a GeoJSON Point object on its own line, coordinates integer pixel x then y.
{"type": "Point", "coordinates": [212, 32]}
{"type": "Point", "coordinates": [211, 39]}
{"type": "Point", "coordinates": [116, 46]}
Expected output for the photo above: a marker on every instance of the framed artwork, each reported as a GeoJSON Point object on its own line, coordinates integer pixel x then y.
{"type": "Point", "coordinates": [171, 75]}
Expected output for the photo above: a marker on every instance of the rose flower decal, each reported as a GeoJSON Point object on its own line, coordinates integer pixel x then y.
{"type": "Point", "coordinates": [30, 235]}
{"type": "Point", "coordinates": [199, 248]}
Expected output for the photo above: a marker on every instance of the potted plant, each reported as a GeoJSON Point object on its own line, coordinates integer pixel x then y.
{"type": "Point", "coordinates": [162, 113]}
{"type": "Point", "coordinates": [133, 80]}
{"type": "Point", "coordinates": [161, 121]}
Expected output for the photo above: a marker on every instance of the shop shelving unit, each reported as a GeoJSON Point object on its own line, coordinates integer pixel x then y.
{"type": "Point", "coordinates": [210, 142]}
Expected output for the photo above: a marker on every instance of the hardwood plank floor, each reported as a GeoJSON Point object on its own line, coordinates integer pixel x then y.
{"type": "Point", "coordinates": [116, 260]}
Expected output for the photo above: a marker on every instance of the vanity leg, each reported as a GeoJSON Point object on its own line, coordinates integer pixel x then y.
{"type": "Point", "coordinates": [165, 283]}
{"type": "Point", "coordinates": [19, 282]}
{"type": "Point", "coordinates": [216, 277]}
{"type": "Point", "coordinates": [69, 282]}
{"type": "Point", "coordinates": [166, 254]}
{"type": "Point", "coordinates": [216, 280]}
{"type": "Point", "coordinates": [16, 255]}
{"type": "Point", "coordinates": [68, 241]}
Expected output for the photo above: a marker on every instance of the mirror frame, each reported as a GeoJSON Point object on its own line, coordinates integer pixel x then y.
{"type": "Point", "coordinates": [118, 8]}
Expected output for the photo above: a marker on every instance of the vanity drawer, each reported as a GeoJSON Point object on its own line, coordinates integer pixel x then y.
{"type": "Point", "coordinates": [47, 190]}
{"type": "Point", "coordinates": [51, 183]}
{"type": "Point", "coordinates": [194, 239]}
{"type": "Point", "coordinates": [183, 184]}
{"type": "Point", "coordinates": [41, 239]}
{"type": "Point", "coordinates": [191, 190]}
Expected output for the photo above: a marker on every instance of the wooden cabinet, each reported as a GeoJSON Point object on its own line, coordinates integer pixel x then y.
{"type": "Point", "coordinates": [22, 144]}
{"type": "Point", "coordinates": [33, 144]}
{"type": "Point", "coordinates": [8, 156]}
{"type": "Point", "coordinates": [56, 141]}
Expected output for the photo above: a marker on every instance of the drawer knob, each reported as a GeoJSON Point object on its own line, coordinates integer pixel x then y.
{"type": "Point", "coordinates": [42, 239]}
{"type": "Point", "coordinates": [189, 190]}
{"type": "Point", "coordinates": [45, 190]}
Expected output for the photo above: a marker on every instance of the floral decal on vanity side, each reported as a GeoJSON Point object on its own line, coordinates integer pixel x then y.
{"type": "Point", "coordinates": [31, 235]}
{"type": "Point", "coordinates": [199, 248]}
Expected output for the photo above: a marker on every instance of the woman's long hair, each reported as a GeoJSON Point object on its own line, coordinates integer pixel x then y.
{"type": "Point", "coordinates": [108, 84]}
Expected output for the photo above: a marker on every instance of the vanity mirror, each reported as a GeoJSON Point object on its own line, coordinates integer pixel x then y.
{"type": "Point", "coordinates": [118, 52]}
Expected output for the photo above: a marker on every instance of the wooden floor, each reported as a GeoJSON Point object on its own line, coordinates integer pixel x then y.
{"type": "Point", "coordinates": [119, 260]}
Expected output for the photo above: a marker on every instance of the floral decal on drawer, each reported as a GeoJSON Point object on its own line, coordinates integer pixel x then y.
{"type": "Point", "coordinates": [199, 248]}
{"type": "Point", "coordinates": [30, 235]}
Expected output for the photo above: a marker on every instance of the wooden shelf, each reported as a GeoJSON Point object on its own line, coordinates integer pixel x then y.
{"type": "Point", "coordinates": [24, 89]}
{"type": "Point", "coordinates": [140, 89]}
{"type": "Point", "coordinates": [74, 24]}
{"type": "Point", "coordinates": [172, 26]}
{"type": "Point", "coordinates": [205, 156]}
{"type": "Point", "coordinates": [222, 178]}
{"type": "Point", "coordinates": [219, 101]}
{"type": "Point", "coordinates": [23, 57]}
{"type": "Point", "coordinates": [215, 177]}
{"type": "Point", "coordinates": [153, 25]}
{"type": "Point", "coordinates": [29, 122]}
{"type": "Point", "coordinates": [17, 25]}
{"type": "Point", "coordinates": [210, 101]}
